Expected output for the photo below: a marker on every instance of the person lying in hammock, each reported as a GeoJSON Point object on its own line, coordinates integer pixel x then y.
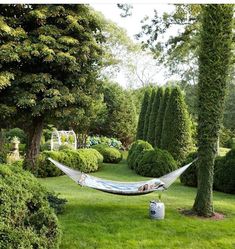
{"type": "Point", "coordinates": [154, 186]}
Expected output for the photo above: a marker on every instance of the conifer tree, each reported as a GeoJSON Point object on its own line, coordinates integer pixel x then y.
{"type": "Point", "coordinates": [176, 132]}
{"type": "Point", "coordinates": [153, 116]}
{"type": "Point", "coordinates": [141, 121]}
{"type": "Point", "coordinates": [214, 60]}
{"type": "Point", "coordinates": [120, 119]}
{"type": "Point", "coordinates": [147, 114]}
{"type": "Point", "coordinates": [160, 117]}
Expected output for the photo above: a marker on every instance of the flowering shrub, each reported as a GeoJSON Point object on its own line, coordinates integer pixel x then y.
{"type": "Point", "coordinates": [111, 142]}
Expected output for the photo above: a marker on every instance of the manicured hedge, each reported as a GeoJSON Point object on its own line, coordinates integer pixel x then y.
{"type": "Point", "coordinates": [224, 173]}
{"type": "Point", "coordinates": [26, 219]}
{"type": "Point", "coordinates": [44, 168]}
{"type": "Point", "coordinates": [94, 152]}
{"type": "Point", "coordinates": [45, 146]}
{"type": "Point", "coordinates": [66, 147]}
{"type": "Point", "coordinates": [135, 150]}
{"type": "Point", "coordinates": [155, 163]}
{"type": "Point", "coordinates": [111, 155]}
{"type": "Point", "coordinates": [189, 177]}
{"type": "Point", "coordinates": [85, 160]}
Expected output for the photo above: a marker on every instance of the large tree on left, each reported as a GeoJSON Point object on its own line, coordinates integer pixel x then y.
{"type": "Point", "coordinates": [49, 61]}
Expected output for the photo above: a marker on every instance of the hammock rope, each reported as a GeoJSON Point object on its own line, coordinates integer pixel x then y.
{"type": "Point", "coordinates": [121, 188]}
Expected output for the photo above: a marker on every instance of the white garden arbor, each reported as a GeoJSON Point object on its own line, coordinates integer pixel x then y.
{"type": "Point", "coordinates": [59, 138]}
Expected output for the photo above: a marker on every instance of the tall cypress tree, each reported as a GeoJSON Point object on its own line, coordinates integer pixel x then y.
{"type": "Point", "coordinates": [160, 117]}
{"type": "Point", "coordinates": [141, 121]}
{"type": "Point", "coordinates": [147, 114]}
{"type": "Point", "coordinates": [153, 116]}
{"type": "Point", "coordinates": [214, 60]}
{"type": "Point", "coordinates": [176, 132]}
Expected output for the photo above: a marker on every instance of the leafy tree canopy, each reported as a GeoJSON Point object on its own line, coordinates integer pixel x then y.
{"type": "Point", "coordinates": [48, 54]}
{"type": "Point", "coordinates": [120, 118]}
{"type": "Point", "coordinates": [50, 60]}
{"type": "Point", "coordinates": [179, 53]}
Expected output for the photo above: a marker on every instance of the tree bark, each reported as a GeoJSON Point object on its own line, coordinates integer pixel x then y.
{"type": "Point", "coordinates": [34, 138]}
{"type": "Point", "coordinates": [82, 139]}
{"type": "Point", "coordinates": [214, 59]}
{"type": "Point", "coordinates": [203, 204]}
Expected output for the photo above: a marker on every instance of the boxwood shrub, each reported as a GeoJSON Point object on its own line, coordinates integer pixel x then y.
{"type": "Point", "coordinates": [111, 155]}
{"type": "Point", "coordinates": [224, 173]}
{"type": "Point", "coordinates": [189, 177]}
{"type": "Point", "coordinates": [94, 152]}
{"type": "Point", "coordinates": [155, 163]}
{"type": "Point", "coordinates": [26, 219]}
{"type": "Point", "coordinates": [44, 168]}
{"type": "Point", "coordinates": [136, 148]}
{"type": "Point", "coordinates": [66, 147]}
{"type": "Point", "coordinates": [92, 159]}
{"type": "Point", "coordinates": [85, 160]}
{"type": "Point", "coordinates": [45, 146]}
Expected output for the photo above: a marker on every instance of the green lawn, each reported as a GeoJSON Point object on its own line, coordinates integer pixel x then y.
{"type": "Point", "coordinates": [96, 220]}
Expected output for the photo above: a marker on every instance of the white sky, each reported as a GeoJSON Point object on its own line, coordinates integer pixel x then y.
{"type": "Point", "coordinates": [133, 26]}
{"type": "Point", "coordinates": [131, 23]}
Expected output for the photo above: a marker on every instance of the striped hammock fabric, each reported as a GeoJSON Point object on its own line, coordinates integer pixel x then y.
{"type": "Point", "coordinates": [121, 188]}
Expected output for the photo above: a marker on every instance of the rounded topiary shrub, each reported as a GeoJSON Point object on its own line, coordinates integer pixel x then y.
{"type": "Point", "coordinates": [224, 173]}
{"type": "Point", "coordinates": [189, 177]}
{"type": "Point", "coordinates": [135, 150]}
{"type": "Point", "coordinates": [96, 153]}
{"type": "Point", "coordinates": [131, 151]}
{"type": "Point", "coordinates": [45, 146]}
{"type": "Point", "coordinates": [91, 159]}
{"type": "Point", "coordinates": [66, 147]}
{"type": "Point", "coordinates": [26, 219]}
{"type": "Point", "coordinates": [139, 158]}
{"type": "Point", "coordinates": [111, 155]}
{"type": "Point", "coordinates": [44, 168]}
{"type": "Point", "coordinates": [155, 163]}
{"type": "Point", "coordinates": [85, 160]}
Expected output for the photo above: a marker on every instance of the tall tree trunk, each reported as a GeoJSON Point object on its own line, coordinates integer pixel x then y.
{"type": "Point", "coordinates": [34, 137]}
{"type": "Point", "coordinates": [214, 62]}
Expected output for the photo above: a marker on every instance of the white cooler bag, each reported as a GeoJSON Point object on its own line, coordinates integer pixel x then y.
{"type": "Point", "coordinates": [156, 210]}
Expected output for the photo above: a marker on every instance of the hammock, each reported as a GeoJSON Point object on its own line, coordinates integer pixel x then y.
{"type": "Point", "coordinates": [122, 188]}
